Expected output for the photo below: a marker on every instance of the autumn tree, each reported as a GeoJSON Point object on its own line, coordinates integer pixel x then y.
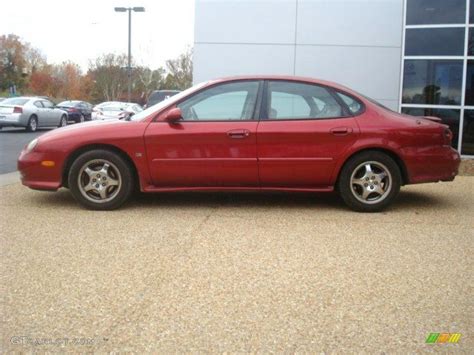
{"type": "Point", "coordinates": [13, 66]}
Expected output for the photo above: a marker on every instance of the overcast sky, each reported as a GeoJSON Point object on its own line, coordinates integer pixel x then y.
{"type": "Point", "coordinates": [80, 30]}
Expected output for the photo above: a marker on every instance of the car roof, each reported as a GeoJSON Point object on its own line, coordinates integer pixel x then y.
{"type": "Point", "coordinates": [281, 77]}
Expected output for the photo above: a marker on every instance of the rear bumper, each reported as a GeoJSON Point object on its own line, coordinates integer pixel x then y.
{"type": "Point", "coordinates": [12, 120]}
{"type": "Point", "coordinates": [36, 176]}
{"type": "Point", "coordinates": [431, 164]}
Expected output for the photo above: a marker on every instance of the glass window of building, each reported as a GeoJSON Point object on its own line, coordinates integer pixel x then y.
{"type": "Point", "coordinates": [432, 82]}
{"type": "Point", "coordinates": [422, 12]}
{"type": "Point", "coordinates": [467, 142]}
{"type": "Point", "coordinates": [434, 41]}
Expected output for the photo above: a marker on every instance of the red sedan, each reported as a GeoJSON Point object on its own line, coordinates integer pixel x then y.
{"type": "Point", "coordinates": [247, 133]}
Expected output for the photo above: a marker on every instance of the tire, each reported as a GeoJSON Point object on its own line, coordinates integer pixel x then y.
{"type": "Point", "coordinates": [369, 181]}
{"type": "Point", "coordinates": [63, 121]}
{"type": "Point", "coordinates": [81, 119]}
{"type": "Point", "coordinates": [98, 187]}
{"type": "Point", "coordinates": [32, 125]}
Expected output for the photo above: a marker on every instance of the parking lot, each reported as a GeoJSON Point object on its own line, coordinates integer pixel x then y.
{"type": "Point", "coordinates": [237, 272]}
{"type": "Point", "coordinates": [12, 141]}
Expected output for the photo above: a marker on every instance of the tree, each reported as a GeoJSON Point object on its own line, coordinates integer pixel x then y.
{"type": "Point", "coordinates": [180, 71]}
{"type": "Point", "coordinates": [109, 77]}
{"type": "Point", "coordinates": [13, 66]}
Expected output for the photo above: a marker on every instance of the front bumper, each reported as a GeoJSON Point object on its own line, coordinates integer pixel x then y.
{"type": "Point", "coordinates": [36, 176]}
{"type": "Point", "coordinates": [431, 164]}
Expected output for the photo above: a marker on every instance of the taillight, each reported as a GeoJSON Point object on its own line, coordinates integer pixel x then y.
{"type": "Point", "coordinates": [17, 109]}
{"type": "Point", "coordinates": [448, 136]}
{"type": "Point", "coordinates": [72, 109]}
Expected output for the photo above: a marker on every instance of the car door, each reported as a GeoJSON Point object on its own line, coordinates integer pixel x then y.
{"type": "Point", "coordinates": [51, 117]}
{"type": "Point", "coordinates": [213, 145]}
{"type": "Point", "coordinates": [303, 130]}
{"type": "Point", "coordinates": [40, 112]}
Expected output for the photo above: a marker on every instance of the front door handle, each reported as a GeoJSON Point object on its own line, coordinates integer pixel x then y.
{"type": "Point", "coordinates": [341, 131]}
{"type": "Point", "coordinates": [238, 133]}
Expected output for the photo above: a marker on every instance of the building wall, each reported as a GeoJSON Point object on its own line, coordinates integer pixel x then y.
{"type": "Point", "coordinates": [357, 43]}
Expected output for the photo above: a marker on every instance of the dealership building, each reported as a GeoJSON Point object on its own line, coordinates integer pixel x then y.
{"type": "Point", "coordinates": [413, 56]}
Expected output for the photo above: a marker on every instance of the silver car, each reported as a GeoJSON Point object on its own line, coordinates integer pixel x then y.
{"type": "Point", "coordinates": [31, 113]}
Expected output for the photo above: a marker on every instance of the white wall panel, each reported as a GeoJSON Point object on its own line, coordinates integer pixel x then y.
{"type": "Point", "coordinates": [373, 71]}
{"type": "Point", "coordinates": [217, 60]}
{"type": "Point", "coordinates": [245, 21]}
{"type": "Point", "coordinates": [350, 22]}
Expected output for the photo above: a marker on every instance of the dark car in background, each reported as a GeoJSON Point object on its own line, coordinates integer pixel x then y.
{"type": "Point", "coordinates": [78, 111]}
{"type": "Point", "coordinates": [159, 95]}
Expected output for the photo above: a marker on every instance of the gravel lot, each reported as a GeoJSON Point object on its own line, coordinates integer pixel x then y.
{"type": "Point", "coordinates": [238, 272]}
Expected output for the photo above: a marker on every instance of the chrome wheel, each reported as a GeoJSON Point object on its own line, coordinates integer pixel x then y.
{"type": "Point", "coordinates": [371, 182]}
{"type": "Point", "coordinates": [99, 180]}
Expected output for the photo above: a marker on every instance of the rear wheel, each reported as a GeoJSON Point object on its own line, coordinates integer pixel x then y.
{"type": "Point", "coordinates": [369, 181]}
{"type": "Point", "coordinates": [32, 124]}
{"type": "Point", "coordinates": [81, 118]}
{"type": "Point", "coordinates": [100, 180]}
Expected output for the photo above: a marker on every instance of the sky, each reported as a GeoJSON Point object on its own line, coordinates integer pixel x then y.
{"type": "Point", "coordinates": [81, 30]}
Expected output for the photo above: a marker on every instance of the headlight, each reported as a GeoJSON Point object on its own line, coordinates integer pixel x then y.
{"type": "Point", "coordinates": [31, 145]}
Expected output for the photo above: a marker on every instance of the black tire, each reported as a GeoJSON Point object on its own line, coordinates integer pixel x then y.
{"type": "Point", "coordinates": [32, 125]}
{"type": "Point", "coordinates": [63, 121]}
{"type": "Point", "coordinates": [124, 174]}
{"type": "Point", "coordinates": [360, 187]}
{"type": "Point", "coordinates": [81, 119]}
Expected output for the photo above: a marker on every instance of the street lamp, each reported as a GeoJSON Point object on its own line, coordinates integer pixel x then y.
{"type": "Point", "coordinates": [129, 66]}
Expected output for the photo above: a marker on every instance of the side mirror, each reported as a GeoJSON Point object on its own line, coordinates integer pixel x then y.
{"type": "Point", "coordinates": [173, 115]}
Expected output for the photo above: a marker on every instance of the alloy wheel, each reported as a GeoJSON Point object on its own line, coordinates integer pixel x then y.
{"type": "Point", "coordinates": [99, 180]}
{"type": "Point", "coordinates": [371, 182]}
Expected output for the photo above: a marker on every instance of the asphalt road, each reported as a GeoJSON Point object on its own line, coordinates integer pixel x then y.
{"type": "Point", "coordinates": [202, 272]}
{"type": "Point", "coordinates": [12, 141]}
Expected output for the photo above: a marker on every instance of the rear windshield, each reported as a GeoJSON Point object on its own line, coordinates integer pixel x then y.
{"type": "Point", "coordinates": [15, 101]}
{"type": "Point", "coordinates": [67, 104]}
{"type": "Point", "coordinates": [112, 108]}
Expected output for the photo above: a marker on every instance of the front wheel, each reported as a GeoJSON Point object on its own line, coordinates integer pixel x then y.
{"type": "Point", "coordinates": [369, 182]}
{"type": "Point", "coordinates": [63, 121]}
{"type": "Point", "coordinates": [100, 180]}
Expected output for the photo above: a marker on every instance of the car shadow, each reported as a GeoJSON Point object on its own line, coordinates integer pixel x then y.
{"type": "Point", "coordinates": [22, 130]}
{"type": "Point", "coordinates": [272, 200]}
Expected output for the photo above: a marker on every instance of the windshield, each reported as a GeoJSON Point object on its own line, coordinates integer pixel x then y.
{"type": "Point", "coordinates": [15, 101]}
{"type": "Point", "coordinates": [157, 107]}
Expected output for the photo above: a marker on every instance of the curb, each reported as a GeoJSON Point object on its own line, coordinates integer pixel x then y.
{"type": "Point", "coordinates": [10, 178]}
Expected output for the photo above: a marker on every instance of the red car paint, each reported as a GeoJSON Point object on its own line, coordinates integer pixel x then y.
{"type": "Point", "coordinates": [301, 155]}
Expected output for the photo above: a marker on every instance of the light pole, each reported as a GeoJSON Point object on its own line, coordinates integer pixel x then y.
{"type": "Point", "coordinates": [129, 66]}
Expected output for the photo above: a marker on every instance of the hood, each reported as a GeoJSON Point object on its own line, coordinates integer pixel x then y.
{"type": "Point", "coordinates": [82, 129]}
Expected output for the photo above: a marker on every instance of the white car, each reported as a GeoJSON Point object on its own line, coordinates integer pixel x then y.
{"type": "Point", "coordinates": [115, 110]}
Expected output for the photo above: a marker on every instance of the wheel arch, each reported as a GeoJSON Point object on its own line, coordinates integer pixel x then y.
{"type": "Point", "coordinates": [398, 160]}
{"type": "Point", "coordinates": [86, 148]}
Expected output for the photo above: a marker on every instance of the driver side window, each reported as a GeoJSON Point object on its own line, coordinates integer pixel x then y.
{"type": "Point", "coordinates": [233, 101]}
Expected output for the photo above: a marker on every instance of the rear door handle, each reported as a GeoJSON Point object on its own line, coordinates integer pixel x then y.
{"type": "Point", "coordinates": [341, 131]}
{"type": "Point", "coordinates": [238, 133]}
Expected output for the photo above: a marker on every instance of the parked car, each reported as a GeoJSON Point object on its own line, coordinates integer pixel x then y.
{"type": "Point", "coordinates": [247, 133]}
{"type": "Point", "coordinates": [31, 113]}
{"type": "Point", "coordinates": [78, 111]}
{"type": "Point", "coordinates": [2, 98]}
{"type": "Point", "coordinates": [159, 95]}
{"type": "Point", "coordinates": [116, 110]}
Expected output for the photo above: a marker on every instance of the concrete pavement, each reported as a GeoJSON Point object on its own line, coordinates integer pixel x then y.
{"type": "Point", "coordinates": [237, 272]}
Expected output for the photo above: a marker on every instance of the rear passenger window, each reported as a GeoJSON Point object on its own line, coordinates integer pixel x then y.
{"type": "Point", "coordinates": [353, 105]}
{"type": "Point", "coordinates": [292, 101]}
